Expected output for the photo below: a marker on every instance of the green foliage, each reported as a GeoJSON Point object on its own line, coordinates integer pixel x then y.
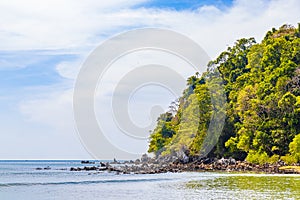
{"type": "Point", "coordinates": [257, 157]}
{"type": "Point", "coordinates": [262, 87]}
{"type": "Point", "coordinates": [162, 133]}
{"type": "Point", "coordinates": [274, 159]}
{"type": "Point", "coordinates": [295, 148]}
{"type": "Point", "coordinates": [264, 107]}
{"type": "Point", "coordinates": [288, 159]}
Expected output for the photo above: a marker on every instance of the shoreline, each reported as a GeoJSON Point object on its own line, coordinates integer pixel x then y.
{"type": "Point", "coordinates": [153, 166]}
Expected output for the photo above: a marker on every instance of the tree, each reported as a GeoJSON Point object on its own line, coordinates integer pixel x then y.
{"type": "Point", "coordinates": [262, 95]}
{"type": "Point", "coordinates": [295, 148]}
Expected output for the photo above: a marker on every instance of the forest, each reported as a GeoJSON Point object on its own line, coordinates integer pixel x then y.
{"type": "Point", "coordinates": [245, 106]}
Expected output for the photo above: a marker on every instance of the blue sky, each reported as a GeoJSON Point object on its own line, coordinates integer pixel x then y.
{"type": "Point", "coordinates": [43, 45]}
{"type": "Point", "coordinates": [185, 4]}
{"type": "Point", "coordinates": [26, 68]}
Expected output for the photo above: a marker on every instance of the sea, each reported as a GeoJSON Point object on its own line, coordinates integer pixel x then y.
{"type": "Point", "coordinates": [52, 179]}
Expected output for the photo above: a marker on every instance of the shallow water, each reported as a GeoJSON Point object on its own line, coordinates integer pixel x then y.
{"type": "Point", "coordinates": [20, 180]}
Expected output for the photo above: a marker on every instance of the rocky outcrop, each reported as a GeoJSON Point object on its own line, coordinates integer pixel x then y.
{"type": "Point", "coordinates": [147, 165]}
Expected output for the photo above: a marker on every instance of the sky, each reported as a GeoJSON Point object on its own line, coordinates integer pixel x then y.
{"type": "Point", "coordinates": [44, 44]}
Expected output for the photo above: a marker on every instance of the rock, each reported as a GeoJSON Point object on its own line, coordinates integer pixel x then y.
{"type": "Point", "coordinates": [90, 168]}
{"type": "Point", "coordinates": [102, 168]}
{"type": "Point", "coordinates": [185, 159]}
{"type": "Point", "coordinates": [182, 154]}
{"type": "Point", "coordinates": [232, 161]}
{"type": "Point", "coordinates": [174, 164]}
{"type": "Point", "coordinates": [281, 163]}
{"type": "Point", "coordinates": [206, 161]}
{"type": "Point", "coordinates": [114, 161]}
{"type": "Point", "coordinates": [144, 165]}
{"type": "Point", "coordinates": [137, 161]}
{"type": "Point", "coordinates": [75, 169]}
{"type": "Point", "coordinates": [145, 158]}
{"type": "Point", "coordinates": [225, 162]}
{"type": "Point", "coordinates": [153, 161]}
{"type": "Point", "coordinates": [87, 162]}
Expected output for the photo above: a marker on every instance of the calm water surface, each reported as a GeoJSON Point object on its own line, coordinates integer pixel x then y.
{"type": "Point", "coordinates": [21, 180]}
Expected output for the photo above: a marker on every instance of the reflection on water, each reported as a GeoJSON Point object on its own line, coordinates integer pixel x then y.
{"type": "Point", "coordinates": [247, 186]}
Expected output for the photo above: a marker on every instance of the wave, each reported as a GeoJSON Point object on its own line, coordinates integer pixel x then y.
{"type": "Point", "coordinates": [79, 182]}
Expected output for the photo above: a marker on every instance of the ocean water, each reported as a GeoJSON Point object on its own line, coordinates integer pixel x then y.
{"type": "Point", "coordinates": [20, 180]}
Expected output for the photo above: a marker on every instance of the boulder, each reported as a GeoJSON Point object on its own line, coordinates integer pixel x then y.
{"type": "Point", "coordinates": [145, 158]}
{"type": "Point", "coordinates": [87, 162]}
{"type": "Point", "coordinates": [137, 161]}
{"type": "Point", "coordinates": [102, 164]}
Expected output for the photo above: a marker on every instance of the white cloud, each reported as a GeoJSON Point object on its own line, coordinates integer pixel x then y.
{"type": "Point", "coordinates": [78, 26]}
{"type": "Point", "coordinates": [75, 25]}
{"type": "Point", "coordinates": [69, 69]}
{"type": "Point", "coordinates": [53, 110]}
{"type": "Point", "coordinates": [54, 24]}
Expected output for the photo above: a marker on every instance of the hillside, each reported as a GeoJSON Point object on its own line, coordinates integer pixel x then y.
{"type": "Point", "coordinates": [261, 108]}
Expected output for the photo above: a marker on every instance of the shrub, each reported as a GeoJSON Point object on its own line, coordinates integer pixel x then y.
{"type": "Point", "coordinates": [257, 157]}
{"type": "Point", "coordinates": [288, 159]}
{"type": "Point", "coordinates": [273, 159]}
{"type": "Point", "coordinates": [294, 148]}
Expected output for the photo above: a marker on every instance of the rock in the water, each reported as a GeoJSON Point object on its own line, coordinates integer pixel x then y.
{"type": "Point", "coordinates": [87, 162]}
